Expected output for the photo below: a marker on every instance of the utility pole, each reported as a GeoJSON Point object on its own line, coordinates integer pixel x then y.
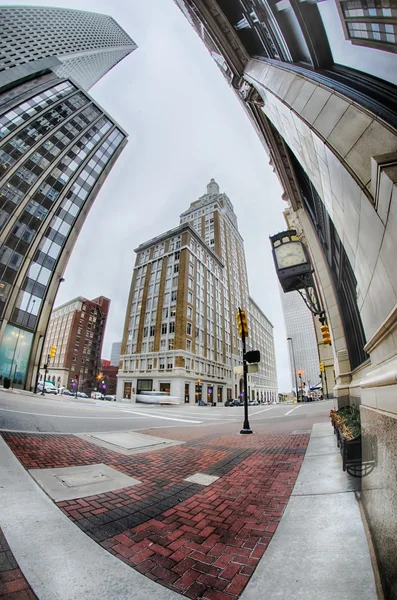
{"type": "Point", "coordinates": [243, 331]}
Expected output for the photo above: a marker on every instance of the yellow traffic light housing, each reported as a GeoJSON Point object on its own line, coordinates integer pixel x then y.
{"type": "Point", "coordinates": [52, 352]}
{"type": "Point", "coordinates": [242, 323]}
{"type": "Point", "coordinates": [322, 368]}
{"type": "Point", "coordinates": [326, 334]}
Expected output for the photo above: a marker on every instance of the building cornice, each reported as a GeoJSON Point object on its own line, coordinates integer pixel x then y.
{"type": "Point", "coordinates": [176, 231]}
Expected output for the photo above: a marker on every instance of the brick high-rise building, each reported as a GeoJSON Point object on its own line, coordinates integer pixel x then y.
{"type": "Point", "coordinates": [180, 331]}
{"type": "Point", "coordinates": [77, 329]}
{"type": "Point", "coordinates": [57, 146]}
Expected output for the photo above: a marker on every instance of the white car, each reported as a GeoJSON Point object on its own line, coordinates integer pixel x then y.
{"type": "Point", "coordinates": [49, 388]}
{"type": "Point", "coordinates": [157, 398]}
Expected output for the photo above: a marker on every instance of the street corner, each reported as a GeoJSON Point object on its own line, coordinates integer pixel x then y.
{"type": "Point", "coordinates": [201, 514]}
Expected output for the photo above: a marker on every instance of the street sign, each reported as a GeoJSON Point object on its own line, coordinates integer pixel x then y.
{"type": "Point", "coordinates": [253, 356]}
{"type": "Point", "coordinates": [240, 370]}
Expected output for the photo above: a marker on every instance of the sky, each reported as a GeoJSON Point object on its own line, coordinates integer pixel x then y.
{"type": "Point", "coordinates": [185, 126]}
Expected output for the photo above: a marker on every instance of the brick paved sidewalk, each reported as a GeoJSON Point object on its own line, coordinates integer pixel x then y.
{"type": "Point", "coordinates": [203, 542]}
{"type": "Point", "coordinates": [13, 585]}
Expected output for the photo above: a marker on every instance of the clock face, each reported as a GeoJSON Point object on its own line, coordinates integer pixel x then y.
{"type": "Point", "coordinates": [289, 255]}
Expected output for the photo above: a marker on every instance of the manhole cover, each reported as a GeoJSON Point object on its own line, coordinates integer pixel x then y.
{"type": "Point", "coordinates": [80, 479]}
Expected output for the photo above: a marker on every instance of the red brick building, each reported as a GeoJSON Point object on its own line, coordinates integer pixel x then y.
{"type": "Point", "coordinates": [77, 329]}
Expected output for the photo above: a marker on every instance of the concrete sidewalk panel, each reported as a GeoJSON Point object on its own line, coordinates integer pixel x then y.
{"type": "Point", "coordinates": [59, 561]}
{"type": "Point", "coordinates": [322, 430]}
{"type": "Point", "coordinates": [318, 551]}
{"type": "Point", "coordinates": [68, 483]}
{"type": "Point", "coordinates": [323, 475]}
{"type": "Point", "coordinates": [322, 445]}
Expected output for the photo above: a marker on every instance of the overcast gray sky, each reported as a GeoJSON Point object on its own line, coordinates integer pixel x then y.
{"type": "Point", "coordinates": [185, 126]}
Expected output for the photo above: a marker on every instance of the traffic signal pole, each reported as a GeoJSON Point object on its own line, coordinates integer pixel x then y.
{"type": "Point", "coordinates": [246, 426]}
{"type": "Point", "coordinates": [45, 375]}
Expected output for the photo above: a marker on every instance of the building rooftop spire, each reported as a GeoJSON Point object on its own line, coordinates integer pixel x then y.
{"type": "Point", "coordinates": [212, 187]}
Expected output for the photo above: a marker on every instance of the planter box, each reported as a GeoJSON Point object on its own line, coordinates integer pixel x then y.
{"type": "Point", "coordinates": [350, 451]}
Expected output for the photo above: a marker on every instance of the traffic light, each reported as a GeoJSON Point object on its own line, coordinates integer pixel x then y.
{"type": "Point", "coordinates": [300, 374]}
{"type": "Point", "coordinates": [199, 386]}
{"type": "Point", "coordinates": [52, 352]}
{"type": "Point", "coordinates": [326, 334]}
{"type": "Point", "coordinates": [242, 323]}
{"type": "Point", "coordinates": [322, 368]}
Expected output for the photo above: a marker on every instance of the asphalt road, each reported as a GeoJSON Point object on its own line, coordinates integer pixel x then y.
{"type": "Point", "coordinates": [59, 414]}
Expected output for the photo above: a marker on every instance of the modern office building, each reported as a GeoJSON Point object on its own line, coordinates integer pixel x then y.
{"type": "Point", "coordinates": [180, 331]}
{"type": "Point", "coordinates": [57, 146]}
{"type": "Point", "coordinates": [80, 45]}
{"type": "Point", "coordinates": [263, 385]}
{"type": "Point", "coordinates": [115, 354]}
{"type": "Point", "coordinates": [76, 329]}
{"type": "Point", "coordinates": [320, 88]}
{"type": "Point", "coordinates": [303, 348]}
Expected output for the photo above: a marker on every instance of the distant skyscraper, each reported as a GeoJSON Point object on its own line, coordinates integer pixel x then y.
{"type": "Point", "coordinates": [56, 148]}
{"type": "Point", "coordinates": [300, 328]}
{"type": "Point", "coordinates": [180, 332]}
{"type": "Point", "coordinates": [115, 354]}
{"type": "Point", "coordinates": [86, 45]}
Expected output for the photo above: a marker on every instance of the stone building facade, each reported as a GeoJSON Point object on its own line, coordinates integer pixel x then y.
{"type": "Point", "coordinates": [320, 89]}
{"type": "Point", "coordinates": [180, 332]}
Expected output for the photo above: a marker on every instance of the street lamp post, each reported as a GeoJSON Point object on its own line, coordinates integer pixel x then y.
{"type": "Point", "coordinates": [289, 339]}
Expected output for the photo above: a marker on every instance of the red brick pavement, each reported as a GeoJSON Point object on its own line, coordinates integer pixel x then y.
{"type": "Point", "coordinates": [13, 585]}
{"type": "Point", "coordinates": [206, 545]}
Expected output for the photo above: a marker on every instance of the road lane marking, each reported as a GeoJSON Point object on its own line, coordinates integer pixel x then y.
{"type": "Point", "coordinates": [290, 411]}
{"type": "Point", "coordinates": [161, 417]}
{"type": "Point", "coordinates": [261, 411]}
{"type": "Point", "coordinates": [22, 412]}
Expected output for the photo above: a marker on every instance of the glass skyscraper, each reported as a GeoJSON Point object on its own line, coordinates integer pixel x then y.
{"type": "Point", "coordinates": [86, 45]}
{"type": "Point", "coordinates": [56, 148]}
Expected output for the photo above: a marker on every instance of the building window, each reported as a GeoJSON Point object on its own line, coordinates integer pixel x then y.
{"type": "Point", "coordinates": [173, 296]}
{"type": "Point", "coordinates": [188, 345]}
{"type": "Point", "coordinates": [164, 328]}
{"type": "Point", "coordinates": [189, 329]}
{"type": "Point", "coordinates": [145, 331]}
{"type": "Point", "coordinates": [152, 329]}
{"type": "Point", "coordinates": [170, 344]}
{"type": "Point", "coordinates": [172, 327]}
{"type": "Point", "coordinates": [176, 268]}
{"type": "Point", "coordinates": [170, 363]}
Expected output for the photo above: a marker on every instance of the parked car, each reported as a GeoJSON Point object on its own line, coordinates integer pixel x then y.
{"type": "Point", "coordinates": [147, 397]}
{"type": "Point", "coordinates": [235, 402]}
{"type": "Point", "coordinates": [67, 393]}
{"type": "Point", "coordinates": [49, 387]}
{"type": "Point", "coordinates": [253, 403]}
{"type": "Point", "coordinates": [109, 397]}
{"type": "Point", "coordinates": [81, 395]}
{"type": "Point", "coordinates": [97, 396]}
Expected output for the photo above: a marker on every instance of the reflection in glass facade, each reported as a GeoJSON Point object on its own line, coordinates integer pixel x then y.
{"type": "Point", "coordinates": [54, 146]}
{"type": "Point", "coordinates": [14, 354]}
